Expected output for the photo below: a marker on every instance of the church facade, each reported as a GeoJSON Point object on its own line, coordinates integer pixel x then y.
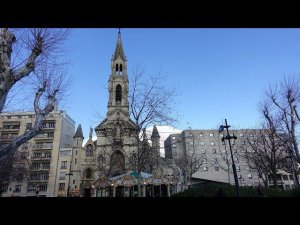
{"type": "Point", "coordinates": [111, 159]}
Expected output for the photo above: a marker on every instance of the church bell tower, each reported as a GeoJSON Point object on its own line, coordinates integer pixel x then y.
{"type": "Point", "coordinates": [118, 82]}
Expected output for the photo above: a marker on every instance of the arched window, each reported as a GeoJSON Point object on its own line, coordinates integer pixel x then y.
{"type": "Point", "coordinates": [88, 173]}
{"type": "Point", "coordinates": [117, 67]}
{"type": "Point", "coordinates": [117, 163]}
{"type": "Point", "coordinates": [89, 151]}
{"type": "Point", "coordinates": [118, 93]}
{"type": "Point", "coordinates": [121, 67]}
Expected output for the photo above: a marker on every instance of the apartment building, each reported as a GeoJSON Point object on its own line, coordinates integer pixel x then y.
{"type": "Point", "coordinates": [42, 151]}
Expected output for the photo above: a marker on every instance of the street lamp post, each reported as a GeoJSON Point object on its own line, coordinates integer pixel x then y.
{"type": "Point", "coordinates": [229, 137]}
{"type": "Point", "coordinates": [68, 190]}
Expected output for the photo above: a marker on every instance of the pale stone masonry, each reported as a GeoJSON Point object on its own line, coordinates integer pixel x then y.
{"type": "Point", "coordinates": [43, 149]}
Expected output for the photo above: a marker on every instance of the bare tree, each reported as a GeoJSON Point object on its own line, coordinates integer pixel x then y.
{"type": "Point", "coordinates": [29, 56]}
{"type": "Point", "coordinates": [268, 146]}
{"type": "Point", "coordinates": [189, 164]}
{"type": "Point", "coordinates": [284, 97]}
{"type": "Point", "coordinates": [15, 167]}
{"type": "Point", "coordinates": [150, 103]}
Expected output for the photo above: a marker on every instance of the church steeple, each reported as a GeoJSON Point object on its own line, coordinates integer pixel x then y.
{"type": "Point", "coordinates": [119, 52]}
{"type": "Point", "coordinates": [118, 82]}
{"type": "Point", "coordinates": [119, 61]}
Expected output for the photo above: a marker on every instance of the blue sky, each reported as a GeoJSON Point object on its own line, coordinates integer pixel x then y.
{"type": "Point", "coordinates": [219, 73]}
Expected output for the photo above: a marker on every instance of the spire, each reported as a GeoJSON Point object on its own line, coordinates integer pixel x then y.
{"type": "Point", "coordinates": [91, 132]}
{"type": "Point", "coordinates": [78, 133]}
{"type": "Point", "coordinates": [155, 133]}
{"type": "Point", "coordinates": [119, 48]}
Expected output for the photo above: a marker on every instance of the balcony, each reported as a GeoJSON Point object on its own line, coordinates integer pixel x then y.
{"type": "Point", "coordinates": [41, 158]}
{"type": "Point", "coordinates": [43, 136]}
{"type": "Point", "coordinates": [43, 146]}
{"type": "Point", "coordinates": [10, 128]}
{"type": "Point", "coordinates": [8, 138]}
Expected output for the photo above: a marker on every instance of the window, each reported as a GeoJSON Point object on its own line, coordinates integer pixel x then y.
{"type": "Point", "coordinates": [62, 175]}
{"type": "Point", "coordinates": [47, 155]}
{"type": "Point", "coordinates": [18, 188]}
{"type": "Point", "coordinates": [75, 161]}
{"type": "Point", "coordinates": [73, 181]}
{"type": "Point", "coordinates": [235, 159]}
{"type": "Point", "coordinates": [46, 165]}
{"type": "Point", "coordinates": [191, 143]}
{"type": "Point", "coordinates": [217, 168]}
{"type": "Point", "coordinates": [51, 134]}
{"type": "Point", "coordinates": [28, 126]}
{"type": "Point", "coordinates": [211, 135]}
{"type": "Point", "coordinates": [190, 135]}
{"type": "Point", "coordinates": [4, 189]}
{"type": "Point", "coordinates": [35, 166]}
{"type": "Point", "coordinates": [202, 143]}
{"type": "Point", "coordinates": [76, 152]}
{"type": "Point", "coordinates": [43, 187]}
{"type": "Point", "coordinates": [205, 168]}
{"type": "Point", "coordinates": [44, 176]}
{"type": "Point", "coordinates": [250, 176]}
{"type": "Point", "coordinates": [174, 146]}
{"type": "Point", "coordinates": [88, 173]}
{"type": "Point", "coordinates": [203, 151]}
{"type": "Point", "coordinates": [238, 168]}
{"type": "Point", "coordinates": [65, 152]}
{"type": "Point", "coordinates": [215, 161]}
{"type": "Point", "coordinates": [241, 135]}
{"type": "Point", "coordinates": [118, 93]}
{"type": "Point", "coordinates": [61, 186]}
{"type": "Point", "coordinates": [223, 142]}
{"type": "Point", "coordinates": [204, 161]}
{"type": "Point", "coordinates": [214, 151]}
{"type": "Point", "coordinates": [173, 138]}
{"type": "Point", "coordinates": [212, 143]}
{"type": "Point", "coordinates": [291, 177]}
{"type": "Point", "coordinates": [284, 177]}
{"type": "Point", "coordinates": [89, 151]}
{"type": "Point", "coordinates": [63, 165]}
{"type": "Point", "coordinates": [52, 125]}
{"type": "Point", "coordinates": [201, 135]}
{"type": "Point", "coordinates": [37, 155]}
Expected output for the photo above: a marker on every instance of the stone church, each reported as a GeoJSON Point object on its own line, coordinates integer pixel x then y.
{"type": "Point", "coordinates": [110, 155]}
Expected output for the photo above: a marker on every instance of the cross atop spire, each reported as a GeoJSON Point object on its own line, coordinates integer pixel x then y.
{"type": "Point", "coordinates": [119, 48]}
